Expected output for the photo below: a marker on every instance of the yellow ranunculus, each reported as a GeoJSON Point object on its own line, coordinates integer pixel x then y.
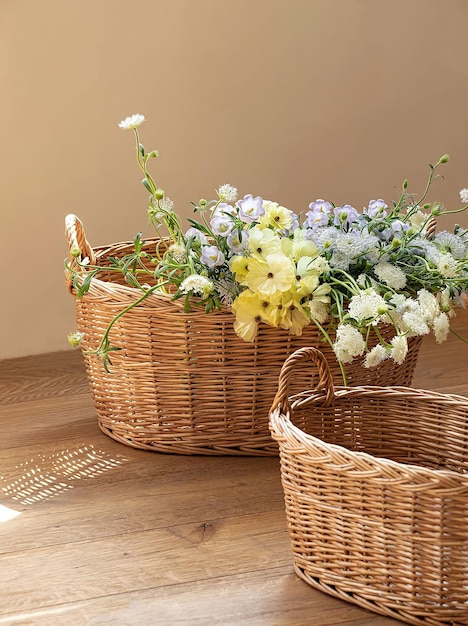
{"type": "Point", "coordinates": [249, 308]}
{"type": "Point", "coordinates": [239, 266]}
{"type": "Point", "coordinates": [263, 242]}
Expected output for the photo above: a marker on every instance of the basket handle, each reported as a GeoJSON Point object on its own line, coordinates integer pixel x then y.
{"type": "Point", "coordinates": [76, 238]}
{"type": "Point", "coordinates": [325, 381]}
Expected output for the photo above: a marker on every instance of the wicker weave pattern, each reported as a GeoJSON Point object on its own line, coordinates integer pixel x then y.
{"type": "Point", "coordinates": [376, 493]}
{"type": "Point", "coordinates": [186, 383]}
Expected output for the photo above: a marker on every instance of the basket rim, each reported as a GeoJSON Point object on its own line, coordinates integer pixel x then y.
{"type": "Point", "coordinates": [278, 419]}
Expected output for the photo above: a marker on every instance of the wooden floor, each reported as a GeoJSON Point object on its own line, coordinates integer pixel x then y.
{"type": "Point", "coordinates": [97, 533]}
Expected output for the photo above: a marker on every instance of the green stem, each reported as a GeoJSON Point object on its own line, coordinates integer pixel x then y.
{"type": "Point", "coordinates": [328, 338]}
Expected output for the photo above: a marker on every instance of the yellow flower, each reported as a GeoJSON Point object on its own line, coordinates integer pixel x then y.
{"type": "Point", "coordinates": [294, 316]}
{"type": "Point", "coordinates": [239, 266]}
{"type": "Point", "coordinates": [275, 273]}
{"type": "Point", "coordinates": [263, 242]}
{"type": "Point", "coordinates": [302, 246]}
{"type": "Point", "coordinates": [249, 309]}
{"type": "Point", "coordinates": [276, 216]}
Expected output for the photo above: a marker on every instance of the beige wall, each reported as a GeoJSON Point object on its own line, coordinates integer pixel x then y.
{"type": "Point", "coordinates": [288, 99]}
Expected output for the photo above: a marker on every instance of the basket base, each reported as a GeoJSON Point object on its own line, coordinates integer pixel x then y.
{"type": "Point", "coordinates": [264, 446]}
{"type": "Point", "coordinates": [430, 617]}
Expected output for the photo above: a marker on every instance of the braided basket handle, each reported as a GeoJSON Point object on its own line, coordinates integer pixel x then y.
{"type": "Point", "coordinates": [431, 228]}
{"type": "Point", "coordinates": [76, 239]}
{"type": "Point", "coordinates": [298, 357]}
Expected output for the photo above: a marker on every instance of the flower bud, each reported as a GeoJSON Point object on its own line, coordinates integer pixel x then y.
{"type": "Point", "coordinates": [153, 154]}
{"type": "Point", "coordinates": [405, 184]}
{"type": "Point", "coordinates": [437, 209]}
{"type": "Point", "coordinates": [396, 243]}
{"type": "Point", "coordinates": [159, 193]}
{"type": "Point", "coordinates": [75, 252]}
{"type": "Point", "coordinates": [202, 203]}
{"type": "Point", "coordinates": [444, 158]}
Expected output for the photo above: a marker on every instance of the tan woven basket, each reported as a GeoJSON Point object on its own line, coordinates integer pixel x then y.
{"type": "Point", "coordinates": [376, 493]}
{"type": "Point", "coordinates": [186, 383]}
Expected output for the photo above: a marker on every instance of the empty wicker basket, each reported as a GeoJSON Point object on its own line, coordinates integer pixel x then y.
{"type": "Point", "coordinates": [186, 383]}
{"type": "Point", "coordinates": [376, 493]}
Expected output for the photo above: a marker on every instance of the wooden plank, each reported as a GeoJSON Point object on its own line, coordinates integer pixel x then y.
{"type": "Point", "coordinates": [269, 597]}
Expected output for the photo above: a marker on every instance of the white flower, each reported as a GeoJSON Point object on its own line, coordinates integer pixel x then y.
{"type": "Point", "coordinates": [349, 343]}
{"type": "Point", "coordinates": [177, 252]}
{"type": "Point", "coordinates": [429, 305]}
{"type": "Point", "coordinates": [399, 349]}
{"type": "Point", "coordinates": [166, 205]}
{"type": "Point", "coordinates": [320, 265]}
{"type": "Point", "coordinates": [391, 275]}
{"type": "Point", "coordinates": [448, 242]}
{"type": "Point", "coordinates": [368, 305]}
{"type": "Point", "coordinates": [319, 311]}
{"type": "Point", "coordinates": [196, 284]}
{"type": "Point", "coordinates": [415, 323]}
{"type": "Point", "coordinates": [75, 338]}
{"type": "Point", "coordinates": [441, 327]}
{"type": "Point", "coordinates": [227, 193]}
{"type": "Point", "coordinates": [132, 122]}
{"type": "Point", "coordinates": [447, 265]}
{"type": "Point", "coordinates": [464, 195]}
{"type": "Point", "coordinates": [375, 356]}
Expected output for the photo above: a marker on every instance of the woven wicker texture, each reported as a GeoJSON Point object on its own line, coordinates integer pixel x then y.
{"type": "Point", "coordinates": [186, 383]}
{"type": "Point", "coordinates": [376, 492]}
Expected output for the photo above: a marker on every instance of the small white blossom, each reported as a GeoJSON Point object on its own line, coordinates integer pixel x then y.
{"type": "Point", "coordinates": [227, 193]}
{"type": "Point", "coordinates": [447, 265]}
{"type": "Point", "coordinates": [319, 311]}
{"type": "Point", "coordinates": [415, 323]}
{"type": "Point", "coordinates": [75, 338]}
{"type": "Point", "coordinates": [464, 196]}
{"type": "Point", "coordinates": [399, 349]}
{"type": "Point", "coordinates": [349, 343]}
{"type": "Point", "coordinates": [391, 275]}
{"type": "Point", "coordinates": [177, 252]}
{"type": "Point", "coordinates": [166, 205]}
{"type": "Point", "coordinates": [441, 327]}
{"type": "Point", "coordinates": [197, 284]}
{"type": "Point", "coordinates": [368, 305]}
{"type": "Point", "coordinates": [375, 356]}
{"type": "Point", "coordinates": [429, 306]}
{"type": "Point", "coordinates": [132, 121]}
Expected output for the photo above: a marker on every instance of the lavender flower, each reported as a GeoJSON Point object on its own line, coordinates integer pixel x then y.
{"type": "Point", "coordinates": [221, 225]}
{"type": "Point", "coordinates": [318, 214]}
{"type": "Point", "coordinates": [238, 241]}
{"type": "Point", "coordinates": [345, 216]}
{"type": "Point", "coordinates": [376, 208]}
{"type": "Point", "coordinates": [250, 208]}
{"type": "Point", "coordinates": [212, 256]}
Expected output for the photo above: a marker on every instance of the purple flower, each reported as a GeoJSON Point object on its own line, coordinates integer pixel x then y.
{"type": "Point", "coordinates": [250, 208]}
{"type": "Point", "coordinates": [318, 214]}
{"type": "Point", "coordinates": [224, 209]}
{"type": "Point", "coordinates": [196, 235]}
{"type": "Point", "coordinates": [237, 242]}
{"type": "Point", "coordinates": [345, 216]}
{"type": "Point", "coordinates": [221, 225]}
{"type": "Point", "coordinates": [212, 256]}
{"type": "Point", "coordinates": [376, 208]}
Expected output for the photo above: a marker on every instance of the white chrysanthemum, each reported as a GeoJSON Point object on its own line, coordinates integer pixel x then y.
{"type": "Point", "coordinates": [448, 242]}
{"type": "Point", "coordinates": [227, 193]}
{"type": "Point", "coordinates": [445, 299]}
{"type": "Point", "coordinates": [177, 252]}
{"type": "Point", "coordinates": [399, 349]}
{"type": "Point", "coordinates": [441, 327]}
{"type": "Point", "coordinates": [464, 196]}
{"type": "Point", "coordinates": [368, 305]}
{"type": "Point", "coordinates": [447, 265]}
{"type": "Point", "coordinates": [391, 275]}
{"type": "Point", "coordinates": [196, 284]}
{"type": "Point", "coordinates": [349, 343]}
{"type": "Point", "coordinates": [340, 261]}
{"type": "Point", "coordinates": [319, 311]}
{"type": "Point", "coordinates": [375, 356]}
{"type": "Point", "coordinates": [132, 121]}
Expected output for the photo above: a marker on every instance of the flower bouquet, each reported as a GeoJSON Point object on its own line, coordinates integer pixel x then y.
{"type": "Point", "coordinates": [192, 327]}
